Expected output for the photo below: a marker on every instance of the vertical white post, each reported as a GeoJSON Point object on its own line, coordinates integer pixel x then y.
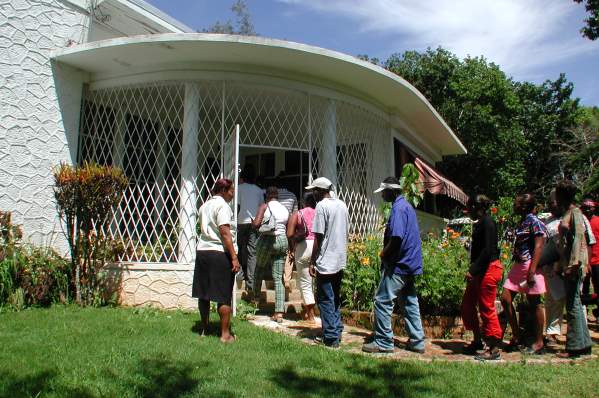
{"type": "Point", "coordinates": [118, 160]}
{"type": "Point", "coordinates": [329, 144]}
{"type": "Point", "coordinates": [189, 172]}
{"type": "Point", "coordinates": [160, 172]}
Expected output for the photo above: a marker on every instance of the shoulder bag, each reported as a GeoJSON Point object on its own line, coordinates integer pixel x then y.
{"type": "Point", "coordinates": [269, 225]}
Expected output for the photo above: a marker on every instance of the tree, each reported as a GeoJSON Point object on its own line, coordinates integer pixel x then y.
{"type": "Point", "coordinates": [580, 152]}
{"type": "Point", "coordinates": [243, 23]}
{"type": "Point", "coordinates": [591, 30]}
{"type": "Point", "coordinates": [509, 128]}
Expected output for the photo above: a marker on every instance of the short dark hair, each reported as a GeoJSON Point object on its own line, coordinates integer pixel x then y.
{"type": "Point", "coordinates": [272, 192]}
{"type": "Point", "coordinates": [528, 200]}
{"type": "Point", "coordinates": [221, 185]}
{"type": "Point", "coordinates": [566, 190]}
{"type": "Point", "coordinates": [479, 202]}
{"type": "Point", "coordinates": [309, 200]}
{"type": "Point", "coordinates": [248, 173]}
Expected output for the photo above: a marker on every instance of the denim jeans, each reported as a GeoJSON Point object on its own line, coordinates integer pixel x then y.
{"type": "Point", "coordinates": [247, 237]}
{"type": "Point", "coordinates": [394, 286]}
{"type": "Point", "coordinates": [329, 303]}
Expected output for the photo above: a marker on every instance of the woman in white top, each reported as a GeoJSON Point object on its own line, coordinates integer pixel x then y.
{"type": "Point", "coordinates": [216, 260]}
{"type": "Point", "coordinates": [271, 248]}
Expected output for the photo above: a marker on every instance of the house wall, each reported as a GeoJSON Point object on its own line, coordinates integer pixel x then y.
{"type": "Point", "coordinates": [36, 129]}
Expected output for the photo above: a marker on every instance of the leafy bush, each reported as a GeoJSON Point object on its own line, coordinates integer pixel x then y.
{"type": "Point", "coordinates": [86, 196]}
{"type": "Point", "coordinates": [441, 286]}
{"type": "Point", "coordinates": [29, 275]}
{"type": "Point", "coordinates": [362, 273]}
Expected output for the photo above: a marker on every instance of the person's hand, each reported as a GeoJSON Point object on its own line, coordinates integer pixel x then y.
{"type": "Point", "coordinates": [235, 265]}
{"type": "Point", "coordinates": [530, 279]}
{"type": "Point", "coordinates": [468, 276]}
{"type": "Point", "coordinates": [312, 270]}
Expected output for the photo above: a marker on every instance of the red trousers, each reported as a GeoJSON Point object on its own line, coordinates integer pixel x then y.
{"type": "Point", "coordinates": [482, 291]}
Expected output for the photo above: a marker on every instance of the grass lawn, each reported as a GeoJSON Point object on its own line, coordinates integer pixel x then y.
{"type": "Point", "coordinates": [119, 352]}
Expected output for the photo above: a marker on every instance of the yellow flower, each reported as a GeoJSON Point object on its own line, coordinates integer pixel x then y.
{"type": "Point", "coordinates": [365, 261]}
{"type": "Point", "coordinates": [504, 256]}
{"type": "Point", "coordinates": [444, 245]}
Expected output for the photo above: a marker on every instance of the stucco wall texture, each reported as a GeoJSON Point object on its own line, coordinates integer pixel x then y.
{"type": "Point", "coordinates": [33, 136]}
{"type": "Point", "coordinates": [167, 289]}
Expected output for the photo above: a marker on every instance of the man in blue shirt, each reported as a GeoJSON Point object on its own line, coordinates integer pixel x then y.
{"type": "Point", "coordinates": [401, 260]}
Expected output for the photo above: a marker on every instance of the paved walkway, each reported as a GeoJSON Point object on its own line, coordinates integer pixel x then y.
{"type": "Point", "coordinates": [436, 349]}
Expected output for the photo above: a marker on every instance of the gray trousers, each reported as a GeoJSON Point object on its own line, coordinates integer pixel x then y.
{"type": "Point", "coordinates": [246, 251]}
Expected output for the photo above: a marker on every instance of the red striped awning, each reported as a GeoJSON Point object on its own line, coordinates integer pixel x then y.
{"type": "Point", "coordinates": [436, 184]}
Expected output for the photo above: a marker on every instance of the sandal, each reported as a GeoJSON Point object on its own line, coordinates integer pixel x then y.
{"type": "Point", "coordinates": [489, 355]}
{"type": "Point", "coordinates": [278, 318]}
{"type": "Point", "coordinates": [532, 351]}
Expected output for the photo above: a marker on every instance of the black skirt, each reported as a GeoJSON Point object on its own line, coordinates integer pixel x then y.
{"type": "Point", "coordinates": [213, 277]}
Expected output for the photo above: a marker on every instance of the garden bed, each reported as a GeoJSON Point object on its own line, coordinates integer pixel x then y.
{"type": "Point", "coordinates": [434, 326]}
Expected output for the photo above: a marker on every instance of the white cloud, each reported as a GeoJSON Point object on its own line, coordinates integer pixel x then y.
{"type": "Point", "coordinates": [520, 36]}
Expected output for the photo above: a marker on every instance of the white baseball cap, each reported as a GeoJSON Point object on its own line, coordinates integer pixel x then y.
{"type": "Point", "coordinates": [322, 183]}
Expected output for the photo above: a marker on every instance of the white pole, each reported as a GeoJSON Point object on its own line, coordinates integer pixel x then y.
{"type": "Point", "coordinates": [189, 172]}
{"type": "Point", "coordinates": [235, 204]}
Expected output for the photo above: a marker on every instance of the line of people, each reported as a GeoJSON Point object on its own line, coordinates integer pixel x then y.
{"type": "Point", "coordinates": [548, 259]}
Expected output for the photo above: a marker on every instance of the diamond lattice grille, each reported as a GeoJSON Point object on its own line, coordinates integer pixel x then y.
{"type": "Point", "coordinates": [141, 128]}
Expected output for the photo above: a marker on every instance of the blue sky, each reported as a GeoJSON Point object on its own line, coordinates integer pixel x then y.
{"type": "Point", "coordinates": [531, 40]}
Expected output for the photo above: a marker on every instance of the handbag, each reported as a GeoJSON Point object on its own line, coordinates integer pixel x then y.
{"type": "Point", "coordinates": [268, 225]}
{"type": "Point", "coordinates": [300, 234]}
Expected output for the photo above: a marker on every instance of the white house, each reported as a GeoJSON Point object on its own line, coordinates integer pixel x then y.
{"type": "Point", "coordinates": [119, 82]}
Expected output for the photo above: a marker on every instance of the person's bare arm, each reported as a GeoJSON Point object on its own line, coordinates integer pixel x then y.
{"type": "Point", "coordinates": [256, 222]}
{"type": "Point", "coordinates": [315, 250]}
{"type": "Point", "coordinates": [291, 224]}
{"type": "Point", "coordinates": [227, 238]}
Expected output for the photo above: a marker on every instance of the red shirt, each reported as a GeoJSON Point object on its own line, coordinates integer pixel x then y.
{"type": "Point", "coordinates": [595, 252]}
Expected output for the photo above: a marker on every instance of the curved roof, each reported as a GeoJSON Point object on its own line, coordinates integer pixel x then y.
{"type": "Point", "coordinates": [130, 55]}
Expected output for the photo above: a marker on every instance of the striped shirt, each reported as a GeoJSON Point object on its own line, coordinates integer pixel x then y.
{"type": "Point", "coordinates": [288, 199]}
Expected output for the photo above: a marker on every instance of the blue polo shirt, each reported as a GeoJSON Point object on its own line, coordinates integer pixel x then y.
{"type": "Point", "coordinates": [403, 224]}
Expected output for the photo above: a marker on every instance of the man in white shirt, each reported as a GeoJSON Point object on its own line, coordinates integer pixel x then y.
{"type": "Point", "coordinates": [250, 197]}
{"type": "Point", "coordinates": [329, 256]}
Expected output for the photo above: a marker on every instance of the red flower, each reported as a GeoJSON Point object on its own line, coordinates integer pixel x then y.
{"type": "Point", "coordinates": [494, 210]}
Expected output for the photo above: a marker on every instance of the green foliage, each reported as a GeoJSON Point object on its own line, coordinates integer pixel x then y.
{"type": "Point", "coordinates": [243, 23]}
{"type": "Point", "coordinates": [29, 275]}
{"type": "Point", "coordinates": [441, 285]}
{"type": "Point", "coordinates": [362, 273]}
{"type": "Point", "coordinates": [591, 29]}
{"type": "Point", "coordinates": [86, 196]}
{"type": "Point", "coordinates": [246, 310]}
{"type": "Point", "coordinates": [410, 184]}
{"type": "Point", "coordinates": [509, 128]}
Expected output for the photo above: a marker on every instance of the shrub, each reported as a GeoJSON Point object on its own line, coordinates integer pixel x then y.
{"type": "Point", "coordinates": [362, 273]}
{"type": "Point", "coordinates": [441, 286]}
{"type": "Point", "coordinates": [29, 275]}
{"type": "Point", "coordinates": [86, 196]}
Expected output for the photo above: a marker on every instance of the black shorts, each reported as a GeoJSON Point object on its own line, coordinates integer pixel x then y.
{"type": "Point", "coordinates": [213, 277]}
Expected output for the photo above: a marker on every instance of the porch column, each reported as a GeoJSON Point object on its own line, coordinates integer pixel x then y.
{"type": "Point", "coordinates": [329, 144]}
{"type": "Point", "coordinates": [189, 173]}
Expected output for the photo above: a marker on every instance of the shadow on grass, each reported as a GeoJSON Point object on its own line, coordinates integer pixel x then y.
{"type": "Point", "coordinates": [383, 379]}
{"type": "Point", "coordinates": [37, 384]}
{"type": "Point", "coordinates": [157, 378]}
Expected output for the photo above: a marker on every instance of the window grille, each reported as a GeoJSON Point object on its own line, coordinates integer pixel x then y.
{"type": "Point", "coordinates": [140, 129]}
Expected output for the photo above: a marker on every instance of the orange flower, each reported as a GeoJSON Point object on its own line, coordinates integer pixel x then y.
{"type": "Point", "coordinates": [494, 210]}
{"type": "Point", "coordinates": [365, 261]}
